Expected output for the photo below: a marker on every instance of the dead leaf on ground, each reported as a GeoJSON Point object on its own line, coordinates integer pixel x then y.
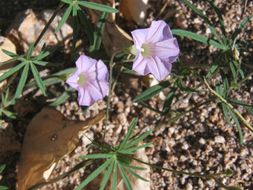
{"type": "Point", "coordinates": [48, 138]}
{"type": "Point", "coordinates": [5, 44]}
{"type": "Point", "coordinates": [114, 38]}
{"type": "Point", "coordinates": [134, 10]}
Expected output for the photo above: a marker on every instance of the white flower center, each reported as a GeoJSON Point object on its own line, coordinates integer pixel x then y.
{"type": "Point", "coordinates": [82, 79]}
{"type": "Point", "coordinates": [146, 50]}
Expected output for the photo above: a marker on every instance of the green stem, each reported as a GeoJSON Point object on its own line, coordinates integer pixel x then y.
{"type": "Point", "coordinates": [110, 87]}
{"type": "Point", "coordinates": [194, 174]}
{"type": "Point", "coordinates": [243, 120]}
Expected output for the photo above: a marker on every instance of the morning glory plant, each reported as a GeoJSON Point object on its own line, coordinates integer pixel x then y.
{"type": "Point", "coordinates": [155, 49]}
{"type": "Point", "coordinates": [90, 80]}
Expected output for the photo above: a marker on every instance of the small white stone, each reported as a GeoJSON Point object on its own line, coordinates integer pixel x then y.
{"type": "Point", "coordinates": [219, 139]}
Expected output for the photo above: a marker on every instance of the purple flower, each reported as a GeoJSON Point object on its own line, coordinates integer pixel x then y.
{"type": "Point", "coordinates": [156, 49]}
{"type": "Point", "coordinates": [90, 80]}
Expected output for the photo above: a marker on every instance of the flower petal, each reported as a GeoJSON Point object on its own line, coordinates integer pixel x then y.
{"type": "Point", "coordinates": [72, 80]}
{"type": "Point", "coordinates": [84, 97]}
{"type": "Point", "coordinates": [140, 65]}
{"type": "Point", "coordinates": [166, 49]}
{"type": "Point", "coordinates": [84, 62]}
{"type": "Point", "coordinates": [158, 68]}
{"type": "Point", "coordinates": [98, 90]}
{"type": "Point", "coordinates": [98, 71]}
{"type": "Point", "coordinates": [158, 31]}
{"type": "Point", "coordinates": [139, 37]}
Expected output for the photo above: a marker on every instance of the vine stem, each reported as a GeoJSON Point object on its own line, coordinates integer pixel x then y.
{"type": "Point", "coordinates": [111, 64]}
{"type": "Point", "coordinates": [48, 24]}
{"type": "Point", "coordinates": [195, 174]}
{"type": "Point", "coordinates": [243, 120]}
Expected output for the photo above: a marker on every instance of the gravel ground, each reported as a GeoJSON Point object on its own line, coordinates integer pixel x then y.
{"type": "Point", "coordinates": [200, 141]}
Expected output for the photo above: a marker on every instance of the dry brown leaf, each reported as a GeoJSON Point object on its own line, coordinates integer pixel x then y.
{"type": "Point", "coordinates": [134, 10]}
{"type": "Point", "coordinates": [114, 38]}
{"type": "Point", "coordinates": [48, 138]}
{"type": "Point", "coordinates": [5, 44]}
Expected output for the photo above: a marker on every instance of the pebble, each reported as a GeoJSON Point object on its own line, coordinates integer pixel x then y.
{"type": "Point", "coordinates": [219, 139]}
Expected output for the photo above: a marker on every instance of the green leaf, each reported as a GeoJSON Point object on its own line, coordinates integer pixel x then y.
{"type": "Point", "coordinates": [124, 177]}
{"type": "Point", "coordinates": [94, 174]}
{"type": "Point", "coordinates": [106, 176]}
{"type": "Point", "coordinates": [2, 167]}
{"type": "Point", "coordinates": [64, 18]}
{"type": "Point", "coordinates": [184, 88]}
{"type": "Point", "coordinates": [212, 70]}
{"type": "Point", "coordinates": [134, 149]}
{"type": "Point", "coordinates": [150, 92]}
{"type": "Point", "coordinates": [168, 101]}
{"type": "Point", "coordinates": [38, 79]}
{"type": "Point", "coordinates": [3, 187]}
{"type": "Point", "coordinates": [128, 135]}
{"type": "Point", "coordinates": [97, 6]}
{"type": "Point", "coordinates": [97, 156]}
{"type": "Point", "coordinates": [136, 141]}
{"type": "Point", "coordinates": [196, 10]}
{"type": "Point", "coordinates": [11, 71]}
{"type": "Point", "coordinates": [67, 1]}
{"type": "Point", "coordinates": [237, 123]}
{"type": "Point", "coordinates": [241, 26]}
{"type": "Point", "coordinates": [129, 170]}
{"type": "Point", "coordinates": [22, 81]}
{"type": "Point", "coordinates": [88, 28]}
{"type": "Point", "coordinates": [9, 53]}
{"type": "Point", "coordinates": [41, 63]}
{"type": "Point", "coordinates": [61, 99]}
{"type": "Point", "coordinates": [115, 176]}
{"type": "Point", "coordinates": [199, 38]}
{"type": "Point", "coordinates": [42, 55]}
{"type": "Point", "coordinates": [97, 34]}
{"type": "Point", "coordinates": [219, 14]}
{"type": "Point", "coordinates": [30, 50]}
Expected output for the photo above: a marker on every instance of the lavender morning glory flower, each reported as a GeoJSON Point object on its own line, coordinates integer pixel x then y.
{"type": "Point", "coordinates": [90, 80]}
{"type": "Point", "coordinates": [156, 49]}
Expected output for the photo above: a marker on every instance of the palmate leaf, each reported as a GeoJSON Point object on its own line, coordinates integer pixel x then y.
{"type": "Point", "coordinates": [128, 135]}
{"type": "Point", "coordinates": [38, 79]}
{"type": "Point", "coordinates": [11, 71]}
{"type": "Point", "coordinates": [22, 81]}
{"type": "Point", "coordinates": [124, 176]}
{"type": "Point", "coordinates": [115, 176]}
{"type": "Point", "coordinates": [136, 141]}
{"type": "Point", "coordinates": [64, 18]}
{"type": "Point", "coordinates": [107, 176]}
{"type": "Point", "coordinates": [94, 174]}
